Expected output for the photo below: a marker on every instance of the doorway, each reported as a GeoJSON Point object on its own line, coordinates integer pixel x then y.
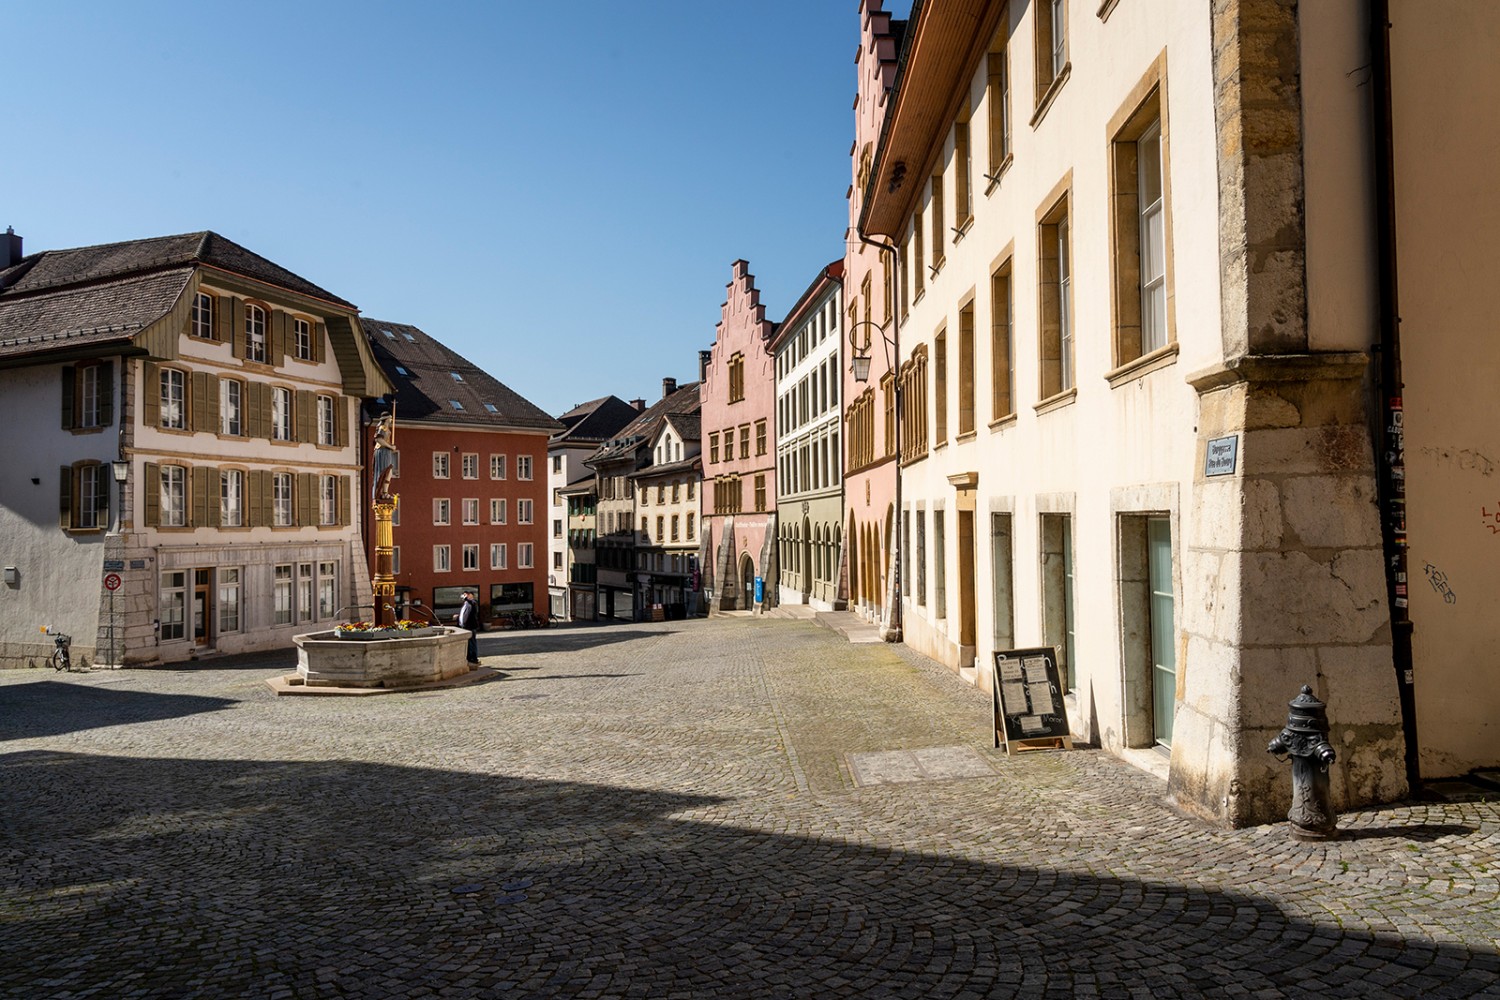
{"type": "Point", "coordinates": [747, 582]}
{"type": "Point", "coordinates": [1163, 628]}
{"type": "Point", "coordinates": [202, 582]}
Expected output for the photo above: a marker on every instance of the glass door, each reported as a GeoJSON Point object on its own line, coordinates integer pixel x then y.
{"type": "Point", "coordinates": [1163, 628]}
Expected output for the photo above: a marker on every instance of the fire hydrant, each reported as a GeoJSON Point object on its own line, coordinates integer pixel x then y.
{"type": "Point", "coordinates": [1305, 740]}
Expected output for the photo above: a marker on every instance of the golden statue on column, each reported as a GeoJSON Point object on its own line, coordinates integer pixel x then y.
{"type": "Point", "coordinates": [383, 503]}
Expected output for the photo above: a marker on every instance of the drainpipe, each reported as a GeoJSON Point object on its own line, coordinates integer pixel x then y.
{"type": "Point", "coordinates": [1391, 448]}
{"type": "Point", "coordinates": [893, 630]}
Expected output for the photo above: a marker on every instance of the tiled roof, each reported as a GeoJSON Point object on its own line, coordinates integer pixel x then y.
{"type": "Point", "coordinates": [422, 370]}
{"type": "Point", "coordinates": [93, 316]}
{"type": "Point", "coordinates": [689, 426]}
{"type": "Point", "coordinates": [694, 464]}
{"type": "Point", "coordinates": [644, 427]}
{"type": "Point", "coordinates": [53, 269]}
{"type": "Point", "coordinates": [595, 421]}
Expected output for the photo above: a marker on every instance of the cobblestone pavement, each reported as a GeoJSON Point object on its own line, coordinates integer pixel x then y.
{"type": "Point", "coordinates": [670, 811]}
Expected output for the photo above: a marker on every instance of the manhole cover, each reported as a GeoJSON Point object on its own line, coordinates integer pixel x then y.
{"type": "Point", "coordinates": [514, 897]}
{"type": "Point", "coordinates": [466, 888]}
{"type": "Point", "coordinates": [891, 767]}
{"type": "Point", "coordinates": [516, 885]}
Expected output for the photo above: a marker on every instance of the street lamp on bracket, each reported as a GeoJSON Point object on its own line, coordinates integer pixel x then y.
{"type": "Point", "coordinates": [861, 338]}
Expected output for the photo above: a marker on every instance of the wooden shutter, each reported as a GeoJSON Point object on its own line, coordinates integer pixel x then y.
{"type": "Point", "coordinates": [276, 351]}
{"type": "Point", "coordinates": [341, 421]}
{"type": "Point", "coordinates": [151, 492]}
{"type": "Point", "coordinates": [257, 409]}
{"type": "Point", "coordinates": [65, 517]}
{"type": "Point", "coordinates": [256, 485]}
{"type": "Point", "coordinates": [151, 394]}
{"type": "Point", "coordinates": [106, 393]}
{"type": "Point", "coordinates": [198, 496]}
{"type": "Point", "coordinates": [306, 424]}
{"type": "Point", "coordinates": [232, 313]}
{"type": "Point", "coordinates": [319, 334]}
{"type": "Point", "coordinates": [306, 498]}
{"type": "Point", "coordinates": [197, 393]}
{"type": "Point", "coordinates": [69, 385]}
{"type": "Point", "coordinates": [345, 517]}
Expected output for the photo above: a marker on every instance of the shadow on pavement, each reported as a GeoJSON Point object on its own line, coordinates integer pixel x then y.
{"type": "Point", "coordinates": [50, 708]}
{"type": "Point", "coordinates": [176, 877]}
{"type": "Point", "coordinates": [560, 640]}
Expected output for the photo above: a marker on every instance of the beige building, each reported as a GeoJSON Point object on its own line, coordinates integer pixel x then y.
{"type": "Point", "coordinates": [1140, 322]}
{"type": "Point", "coordinates": [191, 409]}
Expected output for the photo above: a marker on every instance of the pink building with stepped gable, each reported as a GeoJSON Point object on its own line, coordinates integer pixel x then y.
{"type": "Point", "coordinates": [738, 394]}
{"type": "Point", "coordinates": [871, 448]}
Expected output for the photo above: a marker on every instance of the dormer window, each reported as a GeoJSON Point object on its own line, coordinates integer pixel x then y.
{"type": "Point", "coordinates": [456, 404]}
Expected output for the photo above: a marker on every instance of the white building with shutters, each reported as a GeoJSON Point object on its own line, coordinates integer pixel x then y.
{"type": "Point", "coordinates": [224, 389]}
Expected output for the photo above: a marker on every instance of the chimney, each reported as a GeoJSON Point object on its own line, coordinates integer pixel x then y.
{"type": "Point", "coordinates": [639, 404]}
{"type": "Point", "coordinates": [704, 357]}
{"type": "Point", "coordinates": [10, 248]}
{"type": "Point", "coordinates": [668, 386]}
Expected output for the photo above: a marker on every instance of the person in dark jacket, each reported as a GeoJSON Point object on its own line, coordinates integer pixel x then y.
{"type": "Point", "coordinates": [468, 617]}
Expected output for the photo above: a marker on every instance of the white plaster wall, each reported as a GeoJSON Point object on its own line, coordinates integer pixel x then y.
{"type": "Point", "coordinates": [572, 468]}
{"type": "Point", "coordinates": [1141, 433]}
{"type": "Point", "coordinates": [59, 572]}
{"type": "Point", "coordinates": [1447, 138]}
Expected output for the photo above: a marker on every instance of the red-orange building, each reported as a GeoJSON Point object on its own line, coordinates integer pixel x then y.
{"type": "Point", "coordinates": [471, 477]}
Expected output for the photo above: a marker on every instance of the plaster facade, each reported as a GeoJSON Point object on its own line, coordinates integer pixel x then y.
{"type": "Point", "coordinates": [738, 397]}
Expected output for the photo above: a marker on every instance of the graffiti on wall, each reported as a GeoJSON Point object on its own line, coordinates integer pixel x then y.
{"type": "Point", "coordinates": [1439, 581]}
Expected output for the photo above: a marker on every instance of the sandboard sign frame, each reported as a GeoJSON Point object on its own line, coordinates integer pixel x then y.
{"type": "Point", "coordinates": [1026, 701]}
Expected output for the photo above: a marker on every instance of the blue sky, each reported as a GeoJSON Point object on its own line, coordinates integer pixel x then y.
{"type": "Point", "coordinates": [556, 189]}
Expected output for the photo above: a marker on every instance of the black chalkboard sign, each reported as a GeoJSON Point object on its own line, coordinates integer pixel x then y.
{"type": "Point", "coordinates": [1027, 698]}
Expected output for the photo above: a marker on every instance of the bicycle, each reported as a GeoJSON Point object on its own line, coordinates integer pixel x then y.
{"type": "Point", "coordinates": [61, 658]}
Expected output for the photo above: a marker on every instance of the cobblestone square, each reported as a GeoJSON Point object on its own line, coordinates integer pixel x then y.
{"type": "Point", "coordinates": [670, 810]}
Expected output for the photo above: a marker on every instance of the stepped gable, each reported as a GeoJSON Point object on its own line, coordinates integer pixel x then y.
{"type": "Point", "coordinates": [427, 390]}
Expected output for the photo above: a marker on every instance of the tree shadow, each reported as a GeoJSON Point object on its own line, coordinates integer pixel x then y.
{"type": "Point", "coordinates": [560, 640]}
{"type": "Point", "coordinates": [50, 708]}
{"type": "Point", "coordinates": [176, 877]}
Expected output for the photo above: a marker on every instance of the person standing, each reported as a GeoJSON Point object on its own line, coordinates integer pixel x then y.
{"type": "Point", "coordinates": [468, 617]}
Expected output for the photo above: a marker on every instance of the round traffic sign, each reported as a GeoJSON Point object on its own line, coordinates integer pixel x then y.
{"type": "Point", "coordinates": [111, 581]}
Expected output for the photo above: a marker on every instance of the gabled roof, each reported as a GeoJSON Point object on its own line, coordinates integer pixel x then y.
{"type": "Point", "coordinates": [643, 429]}
{"type": "Point", "coordinates": [54, 269]}
{"type": "Point", "coordinates": [423, 372]}
{"type": "Point", "coordinates": [693, 464]}
{"type": "Point", "coordinates": [594, 422]}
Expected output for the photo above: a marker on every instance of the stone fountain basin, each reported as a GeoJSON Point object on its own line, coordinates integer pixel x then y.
{"type": "Point", "coordinates": [325, 660]}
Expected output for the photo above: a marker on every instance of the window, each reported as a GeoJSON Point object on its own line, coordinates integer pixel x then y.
{"type": "Point", "coordinates": [523, 511]}
{"type": "Point", "coordinates": [456, 376]}
{"type": "Point", "coordinates": [396, 512]}
{"type": "Point", "coordinates": [921, 556]}
{"type": "Point", "coordinates": [1002, 370]}
{"type": "Point", "coordinates": [327, 432]}
{"type": "Point", "coordinates": [676, 525]}
{"type": "Point", "coordinates": [729, 446]}
{"type": "Point", "coordinates": [471, 557]}
{"type": "Point", "coordinates": [661, 528]}
{"type": "Point", "coordinates": [938, 232]}
{"type": "Point", "coordinates": [491, 408]}
{"type": "Point", "coordinates": [940, 386]}
{"type": "Point", "coordinates": [85, 497]}
{"type": "Point", "coordinates": [963, 164]}
{"type": "Point", "coordinates": [302, 345]}
{"type": "Point", "coordinates": [471, 510]}
{"type": "Point", "coordinates": [557, 463]}
{"type": "Point", "coordinates": [87, 395]}
{"type": "Point", "coordinates": [442, 560]}
{"type": "Point", "coordinates": [692, 488]}
{"type": "Point", "coordinates": [557, 560]}
{"type": "Point", "coordinates": [939, 565]}
{"type": "Point", "coordinates": [281, 414]}
{"type": "Point", "coordinates": [523, 555]}
{"type": "Point", "coordinates": [281, 499]}
{"type": "Point", "coordinates": [440, 465]}
{"type": "Point", "coordinates": [676, 491]}
{"type": "Point", "coordinates": [736, 377]}
{"type": "Point", "coordinates": [328, 500]}
{"type": "Point", "coordinates": [690, 526]}
{"type": "Point", "coordinates": [497, 466]}
{"type": "Point", "coordinates": [1057, 592]}
{"type": "Point", "coordinates": [173, 496]}
{"type": "Point", "coordinates": [395, 559]}
{"type": "Point", "coordinates": [281, 595]}
{"type": "Point", "coordinates": [919, 272]}
{"type": "Point", "coordinates": [229, 599]}
{"type": "Point", "coordinates": [966, 361]}
{"type": "Point", "coordinates": [203, 316]}
{"type": "Point", "coordinates": [255, 333]}
{"type": "Point", "coordinates": [713, 448]}
{"type": "Point", "coordinates": [231, 407]}
{"type": "Point", "coordinates": [760, 492]}
{"type": "Point", "coordinates": [173, 404]}
{"type": "Point", "coordinates": [442, 510]}
{"type": "Point", "coordinates": [457, 406]}
{"type": "Point", "coordinates": [1142, 323]}
{"type": "Point", "coordinates": [497, 555]}
{"type": "Point", "coordinates": [172, 614]}
{"type": "Point", "coordinates": [231, 498]}
{"type": "Point", "coordinates": [661, 492]}
{"type": "Point", "coordinates": [497, 511]}
{"type": "Point", "coordinates": [523, 467]}
{"type": "Point", "coordinates": [745, 441]}
{"type": "Point", "coordinates": [328, 589]}
{"type": "Point", "coordinates": [557, 527]}
{"type": "Point", "coordinates": [997, 99]}
{"type": "Point", "coordinates": [1056, 341]}
{"type": "Point", "coordinates": [471, 465]}
{"type": "Point", "coordinates": [1051, 44]}
{"type": "Point", "coordinates": [304, 592]}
